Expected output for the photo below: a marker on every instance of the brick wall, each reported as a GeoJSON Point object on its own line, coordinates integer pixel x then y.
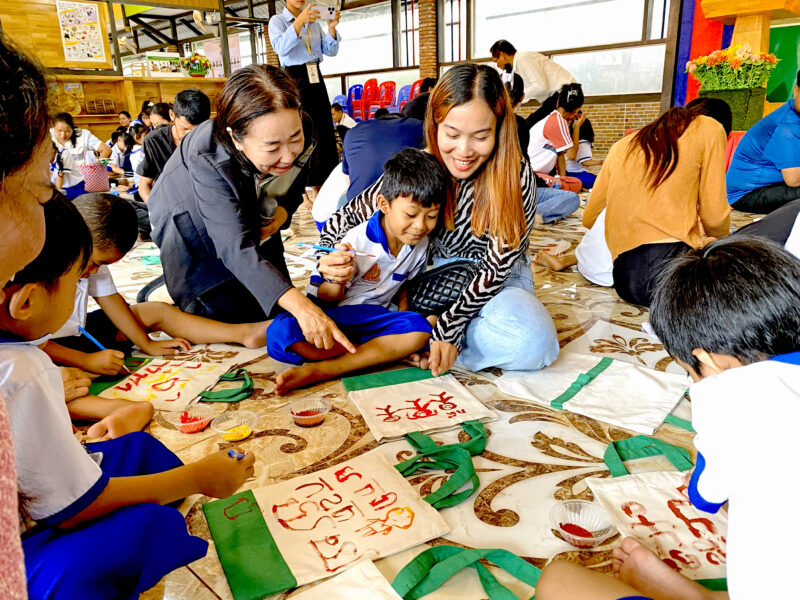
{"type": "Point", "coordinates": [610, 121]}
{"type": "Point", "coordinates": [428, 41]}
{"type": "Point", "coordinates": [272, 56]}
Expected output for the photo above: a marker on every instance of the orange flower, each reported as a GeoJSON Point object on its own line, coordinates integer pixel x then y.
{"type": "Point", "coordinates": [771, 59]}
{"type": "Point", "coordinates": [712, 60]}
{"type": "Point", "coordinates": [736, 63]}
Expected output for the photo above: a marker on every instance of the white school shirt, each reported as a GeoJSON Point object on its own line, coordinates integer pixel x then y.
{"type": "Point", "coordinates": [137, 156]}
{"type": "Point", "coordinates": [584, 154]}
{"type": "Point", "coordinates": [549, 136]}
{"type": "Point", "coordinates": [377, 280]}
{"type": "Point", "coordinates": [541, 75]}
{"type": "Point", "coordinates": [54, 472]}
{"type": "Point", "coordinates": [97, 286]}
{"type": "Point", "coordinates": [74, 155]}
{"type": "Point", "coordinates": [753, 475]}
{"type": "Point", "coordinates": [347, 121]}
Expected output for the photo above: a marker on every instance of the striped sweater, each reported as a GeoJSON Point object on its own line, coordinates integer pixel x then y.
{"type": "Point", "coordinates": [495, 259]}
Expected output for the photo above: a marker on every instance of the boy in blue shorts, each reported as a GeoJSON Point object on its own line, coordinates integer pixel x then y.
{"type": "Point", "coordinates": [94, 516]}
{"type": "Point", "coordinates": [391, 249]}
{"type": "Point", "coordinates": [729, 314]}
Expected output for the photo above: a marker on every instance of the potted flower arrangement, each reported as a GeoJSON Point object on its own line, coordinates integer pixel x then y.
{"type": "Point", "coordinates": [197, 65]}
{"type": "Point", "coordinates": [737, 75]}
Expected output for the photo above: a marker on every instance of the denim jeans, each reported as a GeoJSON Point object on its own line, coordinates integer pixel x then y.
{"type": "Point", "coordinates": [513, 331]}
{"type": "Point", "coordinates": [553, 204]}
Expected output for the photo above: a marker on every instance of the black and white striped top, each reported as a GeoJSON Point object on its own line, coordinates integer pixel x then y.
{"type": "Point", "coordinates": [496, 259]}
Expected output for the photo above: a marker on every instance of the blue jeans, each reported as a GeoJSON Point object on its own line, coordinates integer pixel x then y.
{"type": "Point", "coordinates": [513, 331]}
{"type": "Point", "coordinates": [553, 204]}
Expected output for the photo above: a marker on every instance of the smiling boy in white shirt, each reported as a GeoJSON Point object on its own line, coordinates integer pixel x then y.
{"type": "Point", "coordinates": [395, 243]}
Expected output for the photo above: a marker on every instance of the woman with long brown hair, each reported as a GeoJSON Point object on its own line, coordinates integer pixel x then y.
{"type": "Point", "coordinates": [488, 215]}
{"type": "Point", "coordinates": [215, 216]}
{"type": "Point", "coordinates": [664, 189]}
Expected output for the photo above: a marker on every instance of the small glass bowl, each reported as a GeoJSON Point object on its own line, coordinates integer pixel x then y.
{"type": "Point", "coordinates": [235, 425]}
{"type": "Point", "coordinates": [199, 413]}
{"type": "Point", "coordinates": [581, 523]}
{"type": "Point", "coordinates": [309, 412]}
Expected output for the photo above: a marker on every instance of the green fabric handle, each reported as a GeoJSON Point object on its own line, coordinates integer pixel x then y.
{"type": "Point", "coordinates": [102, 383]}
{"type": "Point", "coordinates": [678, 422]}
{"type": "Point", "coordinates": [452, 456]}
{"type": "Point", "coordinates": [250, 558]}
{"type": "Point", "coordinates": [376, 380]}
{"type": "Point", "coordinates": [715, 585]}
{"type": "Point", "coordinates": [641, 446]}
{"type": "Point", "coordinates": [234, 394]}
{"type": "Point", "coordinates": [583, 380]}
{"type": "Point", "coordinates": [430, 569]}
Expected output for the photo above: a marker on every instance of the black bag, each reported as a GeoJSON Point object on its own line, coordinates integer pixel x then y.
{"type": "Point", "coordinates": [434, 291]}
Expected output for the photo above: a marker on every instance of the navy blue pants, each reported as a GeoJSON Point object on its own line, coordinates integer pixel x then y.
{"type": "Point", "coordinates": [123, 553]}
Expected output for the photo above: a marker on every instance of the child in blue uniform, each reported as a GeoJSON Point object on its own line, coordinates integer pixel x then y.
{"type": "Point", "coordinates": [395, 243]}
{"type": "Point", "coordinates": [95, 524]}
{"type": "Point", "coordinates": [730, 315]}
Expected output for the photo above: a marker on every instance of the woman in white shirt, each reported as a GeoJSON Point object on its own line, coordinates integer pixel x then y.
{"type": "Point", "coordinates": [70, 140]}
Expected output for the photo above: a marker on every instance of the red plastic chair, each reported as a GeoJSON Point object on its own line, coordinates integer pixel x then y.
{"type": "Point", "coordinates": [360, 110]}
{"type": "Point", "coordinates": [415, 89]}
{"type": "Point", "coordinates": [734, 137]}
{"type": "Point", "coordinates": [385, 97]}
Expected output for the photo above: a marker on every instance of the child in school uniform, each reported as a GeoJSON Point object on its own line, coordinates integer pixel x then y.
{"type": "Point", "coordinates": [118, 326]}
{"type": "Point", "coordinates": [95, 525]}
{"type": "Point", "coordinates": [729, 314]}
{"type": "Point", "coordinates": [576, 167]}
{"type": "Point", "coordinates": [392, 249]}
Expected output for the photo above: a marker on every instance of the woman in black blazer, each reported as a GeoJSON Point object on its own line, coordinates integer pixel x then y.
{"type": "Point", "coordinates": [215, 216]}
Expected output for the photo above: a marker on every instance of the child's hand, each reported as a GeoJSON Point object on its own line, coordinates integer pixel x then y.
{"type": "Point", "coordinates": [219, 475]}
{"type": "Point", "coordinates": [338, 267]}
{"type": "Point", "coordinates": [76, 383]}
{"type": "Point", "coordinates": [106, 362]}
{"type": "Point", "coordinates": [164, 347]}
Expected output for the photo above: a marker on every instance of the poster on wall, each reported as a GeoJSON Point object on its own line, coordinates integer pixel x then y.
{"type": "Point", "coordinates": [81, 34]}
{"type": "Point", "coordinates": [213, 52]}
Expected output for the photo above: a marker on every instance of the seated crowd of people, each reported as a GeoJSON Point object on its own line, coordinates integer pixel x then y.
{"type": "Point", "coordinates": [457, 177]}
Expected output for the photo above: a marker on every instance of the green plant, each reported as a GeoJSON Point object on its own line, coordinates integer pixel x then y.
{"type": "Point", "coordinates": [737, 67]}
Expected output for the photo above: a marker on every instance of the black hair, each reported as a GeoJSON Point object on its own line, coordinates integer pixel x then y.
{"type": "Point", "coordinates": [111, 220]}
{"type": "Point", "coordinates": [138, 129]}
{"type": "Point", "coordinates": [337, 106]}
{"type": "Point", "coordinates": [516, 90]}
{"type": "Point", "coordinates": [416, 173]}
{"type": "Point", "coordinates": [161, 109]}
{"type": "Point", "coordinates": [502, 46]}
{"type": "Point", "coordinates": [570, 96]}
{"type": "Point", "coordinates": [798, 78]}
{"type": "Point", "coordinates": [65, 117]}
{"type": "Point", "coordinates": [115, 136]}
{"type": "Point", "coordinates": [124, 112]}
{"type": "Point", "coordinates": [145, 106]}
{"type": "Point", "coordinates": [128, 141]}
{"type": "Point", "coordinates": [427, 84]}
{"type": "Point", "coordinates": [67, 241]}
{"type": "Point", "coordinates": [381, 112]}
{"type": "Point", "coordinates": [193, 105]}
{"type": "Point", "coordinates": [23, 108]}
{"type": "Point", "coordinates": [716, 108]}
{"type": "Point", "coordinates": [586, 132]}
{"type": "Point", "coordinates": [739, 297]}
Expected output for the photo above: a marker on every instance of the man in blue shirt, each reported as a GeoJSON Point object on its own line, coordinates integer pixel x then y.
{"type": "Point", "coordinates": [765, 171]}
{"type": "Point", "coordinates": [300, 42]}
{"type": "Point", "coordinates": [370, 144]}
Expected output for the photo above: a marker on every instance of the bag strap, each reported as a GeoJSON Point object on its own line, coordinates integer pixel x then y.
{"type": "Point", "coordinates": [451, 456]}
{"type": "Point", "coordinates": [582, 380]}
{"type": "Point", "coordinates": [641, 446]}
{"type": "Point", "coordinates": [433, 567]}
{"type": "Point", "coordinates": [234, 394]}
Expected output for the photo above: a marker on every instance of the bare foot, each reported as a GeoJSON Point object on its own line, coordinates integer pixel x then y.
{"type": "Point", "coordinates": [641, 569]}
{"type": "Point", "coordinates": [257, 336]}
{"type": "Point", "coordinates": [295, 377]}
{"type": "Point", "coordinates": [122, 420]}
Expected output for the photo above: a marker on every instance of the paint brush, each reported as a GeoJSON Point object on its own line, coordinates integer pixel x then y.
{"type": "Point", "coordinates": [329, 249]}
{"type": "Point", "coordinates": [92, 339]}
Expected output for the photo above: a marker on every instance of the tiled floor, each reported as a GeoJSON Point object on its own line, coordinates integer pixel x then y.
{"type": "Point", "coordinates": [534, 455]}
